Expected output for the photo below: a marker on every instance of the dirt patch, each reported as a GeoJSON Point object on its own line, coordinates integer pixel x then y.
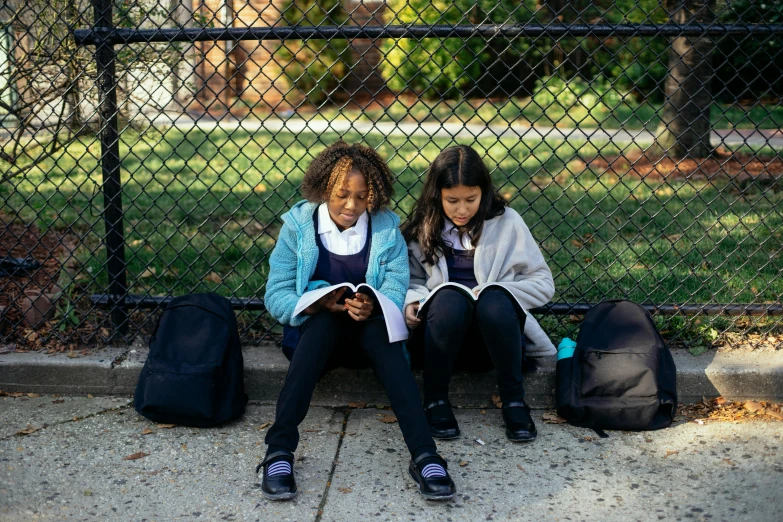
{"type": "Point", "coordinates": [18, 239]}
{"type": "Point", "coordinates": [740, 168]}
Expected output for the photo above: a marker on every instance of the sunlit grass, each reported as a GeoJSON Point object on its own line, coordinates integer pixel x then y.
{"type": "Point", "coordinates": [203, 204]}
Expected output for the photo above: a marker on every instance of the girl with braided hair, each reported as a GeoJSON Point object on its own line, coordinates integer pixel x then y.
{"type": "Point", "coordinates": [340, 233]}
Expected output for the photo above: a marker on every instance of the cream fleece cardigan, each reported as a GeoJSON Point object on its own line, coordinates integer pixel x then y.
{"type": "Point", "coordinates": [506, 253]}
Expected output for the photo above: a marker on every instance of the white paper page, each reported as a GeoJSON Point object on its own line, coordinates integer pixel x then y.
{"type": "Point", "coordinates": [312, 296]}
{"type": "Point", "coordinates": [508, 290]}
{"type": "Point", "coordinates": [464, 288]}
{"type": "Point", "coordinates": [395, 322]}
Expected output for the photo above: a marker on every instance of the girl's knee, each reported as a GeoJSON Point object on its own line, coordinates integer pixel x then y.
{"type": "Point", "coordinates": [448, 307]}
{"type": "Point", "coordinates": [496, 307]}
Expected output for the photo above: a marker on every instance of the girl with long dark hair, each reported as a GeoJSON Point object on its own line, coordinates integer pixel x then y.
{"type": "Point", "coordinates": [461, 231]}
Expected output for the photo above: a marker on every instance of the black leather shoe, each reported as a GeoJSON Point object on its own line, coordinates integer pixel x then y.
{"type": "Point", "coordinates": [433, 487]}
{"type": "Point", "coordinates": [441, 419]}
{"type": "Point", "coordinates": [519, 424]}
{"type": "Point", "coordinates": [278, 487]}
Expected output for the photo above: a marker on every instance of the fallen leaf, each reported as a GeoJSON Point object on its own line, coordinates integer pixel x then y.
{"type": "Point", "coordinates": [264, 425]}
{"type": "Point", "coordinates": [87, 493]}
{"type": "Point", "coordinates": [520, 467]}
{"type": "Point", "coordinates": [27, 431]}
{"type": "Point", "coordinates": [184, 446]}
{"type": "Point", "coordinates": [388, 419]}
{"type": "Point", "coordinates": [720, 401]}
{"type": "Point", "coordinates": [752, 406]}
{"type": "Point", "coordinates": [58, 401]}
{"type": "Point", "coordinates": [166, 426]}
{"type": "Point", "coordinates": [462, 464]}
{"type": "Point", "coordinates": [483, 412]}
{"type": "Point", "coordinates": [33, 395]}
{"type": "Point", "coordinates": [214, 278]}
{"type": "Point", "coordinates": [551, 417]}
{"type": "Point", "coordinates": [146, 431]}
{"type": "Point", "coordinates": [344, 490]}
{"type": "Point", "coordinates": [136, 456]}
{"type": "Point", "coordinates": [149, 272]}
{"type": "Point", "coordinates": [729, 462]}
{"type": "Point", "coordinates": [358, 405]}
{"type": "Point", "coordinates": [577, 243]}
{"type": "Point", "coordinates": [776, 414]}
{"type": "Point", "coordinates": [670, 452]}
{"type": "Point", "coordinates": [89, 396]}
{"type": "Point", "coordinates": [496, 400]}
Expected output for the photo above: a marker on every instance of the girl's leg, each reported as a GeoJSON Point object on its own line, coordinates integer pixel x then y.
{"type": "Point", "coordinates": [502, 333]}
{"type": "Point", "coordinates": [316, 343]}
{"type": "Point", "coordinates": [392, 369]}
{"type": "Point", "coordinates": [448, 319]}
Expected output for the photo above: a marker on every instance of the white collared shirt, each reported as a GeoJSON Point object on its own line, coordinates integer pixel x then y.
{"type": "Point", "coordinates": [345, 242]}
{"type": "Point", "coordinates": [451, 237]}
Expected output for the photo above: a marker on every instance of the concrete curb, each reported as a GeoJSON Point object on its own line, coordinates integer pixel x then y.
{"type": "Point", "coordinates": [114, 371]}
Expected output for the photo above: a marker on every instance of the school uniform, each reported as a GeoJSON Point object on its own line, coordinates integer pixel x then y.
{"type": "Point", "coordinates": [457, 332]}
{"type": "Point", "coordinates": [312, 253]}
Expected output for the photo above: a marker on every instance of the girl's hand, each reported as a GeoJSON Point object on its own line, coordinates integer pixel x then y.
{"type": "Point", "coordinates": [360, 307]}
{"type": "Point", "coordinates": [327, 302]}
{"type": "Point", "coordinates": [410, 316]}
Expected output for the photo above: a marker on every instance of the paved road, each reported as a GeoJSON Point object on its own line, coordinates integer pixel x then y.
{"type": "Point", "coordinates": [728, 137]}
{"type": "Point", "coordinates": [756, 139]}
{"type": "Point", "coordinates": [74, 469]}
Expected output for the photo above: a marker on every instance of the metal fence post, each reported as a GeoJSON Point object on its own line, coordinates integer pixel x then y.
{"type": "Point", "coordinates": [110, 166]}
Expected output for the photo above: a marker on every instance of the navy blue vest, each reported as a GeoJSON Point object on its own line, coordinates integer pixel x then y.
{"type": "Point", "coordinates": [334, 269]}
{"type": "Point", "coordinates": [460, 266]}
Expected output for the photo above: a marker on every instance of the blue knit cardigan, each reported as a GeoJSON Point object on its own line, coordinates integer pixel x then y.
{"type": "Point", "coordinates": [292, 263]}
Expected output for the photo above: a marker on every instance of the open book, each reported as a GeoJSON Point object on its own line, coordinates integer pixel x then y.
{"type": "Point", "coordinates": [395, 322]}
{"type": "Point", "coordinates": [468, 293]}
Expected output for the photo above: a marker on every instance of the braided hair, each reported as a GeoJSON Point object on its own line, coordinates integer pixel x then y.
{"type": "Point", "coordinates": [329, 168]}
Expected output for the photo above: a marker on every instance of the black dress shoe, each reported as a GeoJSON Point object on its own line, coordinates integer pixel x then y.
{"type": "Point", "coordinates": [441, 419]}
{"type": "Point", "coordinates": [435, 486]}
{"type": "Point", "coordinates": [519, 424]}
{"type": "Point", "coordinates": [277, 487]}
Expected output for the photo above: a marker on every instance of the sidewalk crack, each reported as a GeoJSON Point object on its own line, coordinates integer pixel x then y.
{"type": "Point", "coordinates": [24, 433]}
{"type": "Point", "coordinates": [324, 497]}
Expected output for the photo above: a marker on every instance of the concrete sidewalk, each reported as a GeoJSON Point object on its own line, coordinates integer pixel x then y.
{"type": "Point", "coordinates": [734, 375]}
{"type": "Point", "coordinates": [67, 459]}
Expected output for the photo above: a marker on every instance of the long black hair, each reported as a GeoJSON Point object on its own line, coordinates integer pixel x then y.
{"type": "Point", "coordinates": [459, 165]}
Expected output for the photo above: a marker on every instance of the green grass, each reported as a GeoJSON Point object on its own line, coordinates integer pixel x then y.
{"type": "Point", "coordinates": [526, 111]}
{"type": "Point", "coordinates": [199, 202]}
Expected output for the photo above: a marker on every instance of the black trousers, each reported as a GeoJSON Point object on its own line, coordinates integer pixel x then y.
{"type": "Point", "coordinates": [334, 339]}
{"type": "Point", "coordinates": [458, 333]}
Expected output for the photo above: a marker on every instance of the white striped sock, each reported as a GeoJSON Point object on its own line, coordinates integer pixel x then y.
{"type": "Point", "coordinates": [281, 467]}
{"type": "Point", "coordinates": [433, 470]}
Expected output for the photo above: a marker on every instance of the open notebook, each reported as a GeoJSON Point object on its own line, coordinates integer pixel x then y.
{"type": "Point", "coordinates": [468, 293]}
{"type": "Point", "coordinates": [395, 322]}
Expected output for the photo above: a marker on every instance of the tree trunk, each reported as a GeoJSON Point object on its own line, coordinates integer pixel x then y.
{"type": "Point", "coordinates": [685, 129]}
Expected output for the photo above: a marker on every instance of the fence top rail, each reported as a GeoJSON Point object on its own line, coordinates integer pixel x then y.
{"type": "Point", "coordinates": [97, 35]}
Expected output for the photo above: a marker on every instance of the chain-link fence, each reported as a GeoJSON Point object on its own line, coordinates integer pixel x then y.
{"type": "Point", "coordinates": [149, 148]}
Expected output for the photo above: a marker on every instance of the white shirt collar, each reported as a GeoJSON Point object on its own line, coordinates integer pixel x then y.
{"type": "Point", "coordinates": [326, 225]}
{"type": "Point", "coordinates": [342, 242]}
{"type": "Point", "coordinates": [451, 236]}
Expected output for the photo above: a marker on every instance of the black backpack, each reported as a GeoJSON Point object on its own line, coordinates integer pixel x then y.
{"type": "Point", "coordinates": [193, 375]}
{"type": "Point", "coordinates": [621, 376]}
